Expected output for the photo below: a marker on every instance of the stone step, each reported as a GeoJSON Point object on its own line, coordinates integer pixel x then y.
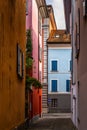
{"type": "Point", "coordinates": [57, 115]}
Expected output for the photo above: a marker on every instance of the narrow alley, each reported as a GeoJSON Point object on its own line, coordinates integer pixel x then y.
{"type": "Point", "coordinates": [43, 66]}
{"type": "Point", "coordinates": [53, 122]}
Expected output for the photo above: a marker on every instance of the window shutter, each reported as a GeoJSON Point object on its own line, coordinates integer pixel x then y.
{"type": "Point", "coordinates": [68, 85]}
{"type": "Point", "coordinates": [54, 65]}
{"type": "Point", "coordinates": [22, 65]}
{"type": "Point", "coordinates": [20, 62]}
{"type": "Point", "coordinates": [54, 85]}
{"type": "Point", "coordinates": [78, 32]}
{"type": "Point", "coordinates": [40, 22]}
{"type": "Point", "coordinates": [18, 59]}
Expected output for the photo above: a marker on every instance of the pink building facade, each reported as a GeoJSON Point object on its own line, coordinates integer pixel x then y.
{"type": "Point", "coordinates": [32, 24]}
{"type": "Point", "coordinates": [79, 66]}
{"type": "Point", "coordinates": [35, 12]}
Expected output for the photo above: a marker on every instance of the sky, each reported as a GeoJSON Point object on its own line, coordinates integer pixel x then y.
{"type": "Point", "coordinates": [58, 8]}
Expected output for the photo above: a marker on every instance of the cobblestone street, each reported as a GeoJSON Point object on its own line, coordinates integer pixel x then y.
{"type": "Point", "coordinates": [52, 123]}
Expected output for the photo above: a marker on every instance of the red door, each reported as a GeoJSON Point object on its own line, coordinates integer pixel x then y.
{"type": "Point", "coordinates": [40, 105]}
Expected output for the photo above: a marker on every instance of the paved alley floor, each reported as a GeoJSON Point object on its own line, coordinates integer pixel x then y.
{"type": "Point", "coordinates": [49, 123]}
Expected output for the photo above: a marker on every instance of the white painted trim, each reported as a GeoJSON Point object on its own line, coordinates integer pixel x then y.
{"type": "Point", "coordinates": [50, 89]}
{"type": "Point", "coordinates": [69, 78]}
{"type": "Point", "coordinates": [59, 92]}
{"type": "Point", "coordinates": [51, 65]}
{"type": "Point", "coordinates": [60, 48]}
{"type": "Point", "coordinates": [64, 93]}
{"type": "Point", "coordinates": [69, 65]}
{"type": "Point", "coordinates": [59, 72]}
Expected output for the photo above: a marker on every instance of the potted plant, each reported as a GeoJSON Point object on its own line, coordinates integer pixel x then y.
{"type": "Point", "coordinates": [30, 81]}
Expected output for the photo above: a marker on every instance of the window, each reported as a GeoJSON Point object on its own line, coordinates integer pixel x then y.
{"type": "Point", "coordinates": [84, 8]}
{"type": "Point", "coordinates": [54, 85]}
{"type": "Point", "coordinates": [40, 53]}
{"type": "Point", "coordinates": [40, 23]}
{"type": "Point", "coordinates": [22, 65]}
{"type": "Point", "coordinates": [54, 65]}
{"type": "Point", "coordinates": [54, 102]}
{"type": "Point", "coordinates": [67, 85]}
{"type": "Point", "coordinates": [77, 35]}
{"type": "Point", "coordinates": [20, 62]}
{"type": "Point", "coordinates": [26, 7]}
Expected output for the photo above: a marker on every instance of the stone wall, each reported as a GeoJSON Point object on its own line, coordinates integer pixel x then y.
{"type": "Point", "coordinates": [63, 103]}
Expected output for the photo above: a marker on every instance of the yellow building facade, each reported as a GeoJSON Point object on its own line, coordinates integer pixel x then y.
{"type": "Point", "coordinates": [12, 63]}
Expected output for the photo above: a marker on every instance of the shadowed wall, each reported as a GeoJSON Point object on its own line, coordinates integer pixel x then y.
{"type": "Point", "coordinates": [12, 89]}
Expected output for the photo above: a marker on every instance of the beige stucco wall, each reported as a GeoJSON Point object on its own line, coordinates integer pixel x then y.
{"type": "Point", "coordinates": [82, 71]}
{"type": "Point", "coordinates": [12, 90]}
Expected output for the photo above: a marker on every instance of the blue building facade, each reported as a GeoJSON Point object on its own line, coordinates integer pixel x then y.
{"type": "Point", "coordinates": [59, 69]}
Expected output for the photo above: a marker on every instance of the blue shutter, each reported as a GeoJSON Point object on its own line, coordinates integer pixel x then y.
{"type": "Point", "coordinates": [54, 65]}
{"type": "Point", "coordinates": [68, 85]}
{"type": "Point", "coordinates": [54, 85]}
{"type": "Point", "coordinates": [70, 65]}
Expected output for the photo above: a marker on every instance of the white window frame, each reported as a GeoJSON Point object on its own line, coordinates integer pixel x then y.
{"type": "Point", "coordinates": [69, 65]}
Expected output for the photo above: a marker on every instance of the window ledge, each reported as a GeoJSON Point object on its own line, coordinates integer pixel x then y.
{"type": "Point", "coordinates": [54, 71]}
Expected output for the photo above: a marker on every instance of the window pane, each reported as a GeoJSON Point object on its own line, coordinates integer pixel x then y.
{"type": "Point", "coordinates": [54, 65]}
{"type": "Point", "coordinates": [54, 103]}
{"type": "Point", "coordinates": [54, 85]}
{"type": "Point", "coordinates": [26, 6]}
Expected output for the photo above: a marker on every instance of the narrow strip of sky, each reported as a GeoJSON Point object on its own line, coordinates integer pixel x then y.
{"type": "Point", "coordinates": [58, 8]}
